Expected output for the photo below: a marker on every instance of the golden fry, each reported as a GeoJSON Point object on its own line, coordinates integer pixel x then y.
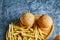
{"type": "Point", "coordinates": [19, 37]}
{"type": "Point", "coordinates": [24, 34]}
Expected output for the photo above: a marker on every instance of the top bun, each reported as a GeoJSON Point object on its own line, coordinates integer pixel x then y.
{"type": "Point", "coordinates": [27, 19]}
{"type": "Point", "coordinates": [45, 21]}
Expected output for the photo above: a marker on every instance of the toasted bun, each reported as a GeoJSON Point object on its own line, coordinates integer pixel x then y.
{"type": "Point", "coordinates": [57, 37]}
{"type": "Point", "coordinates": [45, 21]}
{"type": "Point", "coordinates": [27, 19]}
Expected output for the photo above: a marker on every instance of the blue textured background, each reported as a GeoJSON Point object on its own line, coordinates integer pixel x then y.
{"type": "Point", "coordinates": [10, 11]}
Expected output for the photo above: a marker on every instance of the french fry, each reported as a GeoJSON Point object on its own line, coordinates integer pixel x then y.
{"type": "Point", "coordinates": [44, 33]}
{"type": "Point", "coordinates": [19, 37]}
{"type": "Point", "coordinates": [24, 34]}
{"type": "Point", "coordinates": [36, 32]}
{"type": "Point", "coordinates": [31, 29]}
{"type": "Point", "coordinates": [30, 38]}
{"type": "Point", "coordinates": [10, 33]}
{"type": "Point", "coordinates": [41, 35]}
{"type": "Point", "coordinates": [15, 37]}
{"type": "Point", "coordinates": [28, 35]}
{"type": "Point", "coordinates": [15, 33]}
{"type": "Point", "coordinates": [25, 38]}
{"type": "Point", "coordinates": [40, 32]}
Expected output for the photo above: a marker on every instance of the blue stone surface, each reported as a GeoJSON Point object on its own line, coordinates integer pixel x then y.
{"type": "Point", "coordinates": [10, 11]}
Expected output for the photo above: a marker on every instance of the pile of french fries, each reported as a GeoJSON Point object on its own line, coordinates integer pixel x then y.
{"type": "Point", "coordinates": [19, 33]}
